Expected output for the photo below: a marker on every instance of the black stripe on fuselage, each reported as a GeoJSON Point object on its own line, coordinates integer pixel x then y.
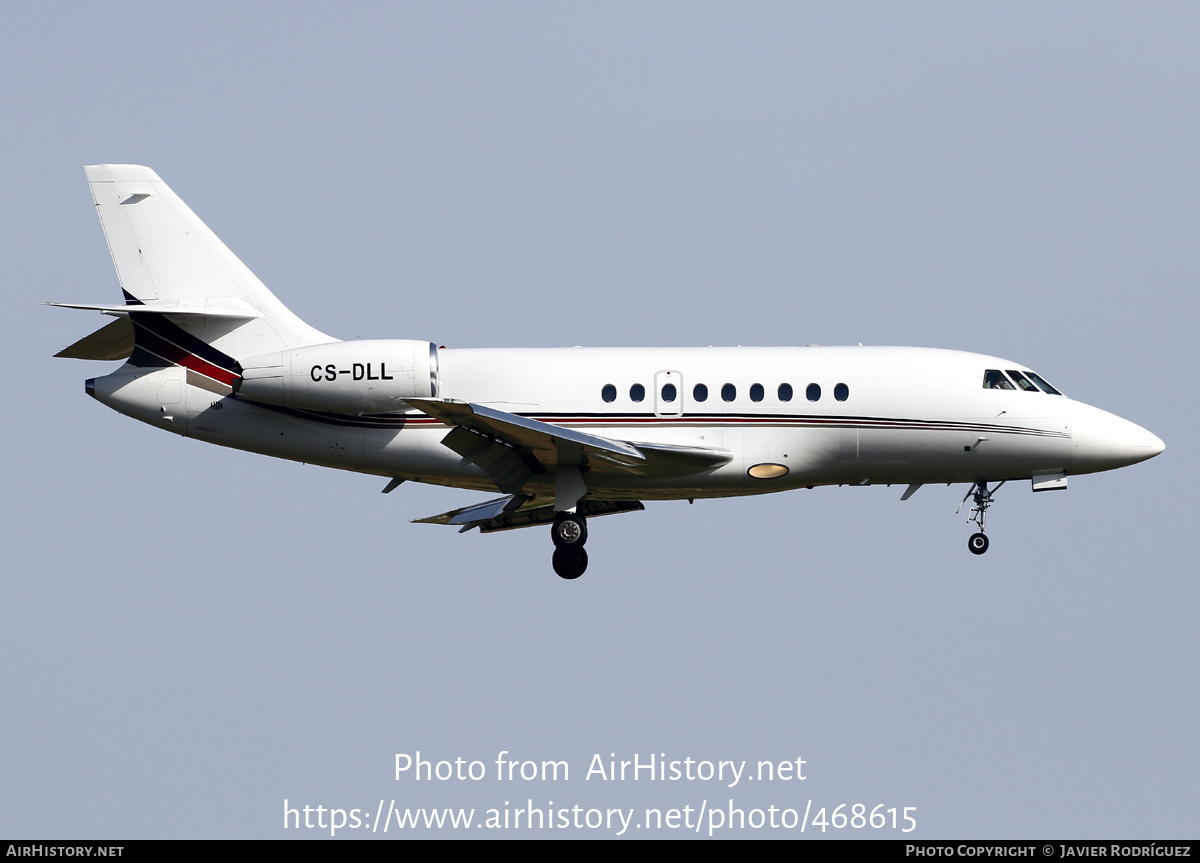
{"type": "Point", "coordinates": [832, 420]}
{"type": "Point", "coordinates": [393, 421]}
{"type": "Point", "coordinates": [157, 325]}
{"type": "Point", "coordinates": [144, 359]}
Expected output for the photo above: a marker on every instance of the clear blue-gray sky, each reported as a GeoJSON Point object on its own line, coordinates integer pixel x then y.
{"type": "Point", "coordinates": [192, 635]}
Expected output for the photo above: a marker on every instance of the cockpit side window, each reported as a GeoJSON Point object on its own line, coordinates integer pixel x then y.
{"type": "Point", "coordinates": [1041, 382]}
{"type": "Point", "coordinates": [1022, 381]}
{"type": "Point", "coordinates": [994, 379]}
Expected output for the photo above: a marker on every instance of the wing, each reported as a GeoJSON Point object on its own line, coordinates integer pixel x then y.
{"type": "Point", "coordinates": [545, 441]}
{"type": "Point", "coordinates": [511, 448]}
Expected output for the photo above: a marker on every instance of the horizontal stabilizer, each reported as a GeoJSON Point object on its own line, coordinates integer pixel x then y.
{"type": "Point", "coordinates": [224, 307]}
{"type": "Point", "coordinates": [113, 341]}
{"type": "Point", "coordinates": [501, 514]}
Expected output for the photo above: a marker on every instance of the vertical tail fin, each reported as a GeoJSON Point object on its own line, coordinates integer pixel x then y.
{"type": "Point", "coordinates": [167, 259]}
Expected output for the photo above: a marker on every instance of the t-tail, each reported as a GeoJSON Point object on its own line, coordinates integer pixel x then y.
{"type": "Point", "coordinates": [189, 302]}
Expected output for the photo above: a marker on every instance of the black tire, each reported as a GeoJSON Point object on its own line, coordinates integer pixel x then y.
{"type": "Point", "coordinates": [978, 543]}
{"type": "Point", "coordinates": [570, 563]}
{"type": "Point", "coordinates": [569, 530]}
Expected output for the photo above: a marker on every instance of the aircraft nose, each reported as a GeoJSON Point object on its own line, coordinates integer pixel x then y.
{"type": "Point", "coordinates": [1148, 445]}
{"type": "Point", "coordinates": [1103, 441]}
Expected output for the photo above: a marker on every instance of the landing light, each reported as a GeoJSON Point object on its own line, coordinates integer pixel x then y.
{"type": "Point", "coordinates": [768, 471]}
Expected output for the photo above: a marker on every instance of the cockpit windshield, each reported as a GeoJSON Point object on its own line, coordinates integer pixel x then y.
{"type": "Point", "coordinates": [1030, 382]}
{"type": "Point", "coordinates": [1022, 381]}
{"type": "Point", "coordinates": [994, 379]}
{"type": "Point", "coordinates": [1041, 382]}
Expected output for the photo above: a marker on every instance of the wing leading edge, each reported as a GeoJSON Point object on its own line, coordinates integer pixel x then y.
{"type": "Point", "coordinates": [542, 446]}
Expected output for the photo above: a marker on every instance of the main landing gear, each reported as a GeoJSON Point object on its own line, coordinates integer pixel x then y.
{"type": "Point", "coordinates": [569, 533]}
{"type": "Point", "coordinates": [978, 543]}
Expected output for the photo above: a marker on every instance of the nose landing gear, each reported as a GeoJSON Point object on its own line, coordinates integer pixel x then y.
{"type": "Point", "coordinates": [978, 543]}
{"type": "Point", "coordinates": [569, 533]}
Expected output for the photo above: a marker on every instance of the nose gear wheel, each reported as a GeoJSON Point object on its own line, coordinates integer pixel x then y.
{"type": "Point", "coordinates": [978, 543]}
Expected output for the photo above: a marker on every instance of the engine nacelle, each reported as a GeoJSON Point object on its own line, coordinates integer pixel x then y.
{"type": "Point", "coordinates": [371, 376]}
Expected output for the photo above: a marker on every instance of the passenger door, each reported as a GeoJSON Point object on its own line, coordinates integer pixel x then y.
{"type": "Point", "coordinates": [668, 394]}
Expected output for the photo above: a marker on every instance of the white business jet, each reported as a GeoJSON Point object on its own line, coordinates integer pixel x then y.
{"type": "Point", "coordinates": [564, 434]}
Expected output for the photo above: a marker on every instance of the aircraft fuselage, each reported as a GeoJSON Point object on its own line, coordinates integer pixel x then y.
{"type": "Point", "coordinates": [829, 415]}
{"type": "Point", "coordinates": [566, 434]}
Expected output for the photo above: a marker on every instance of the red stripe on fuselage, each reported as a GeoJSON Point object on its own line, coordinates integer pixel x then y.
{"type": "Point", "coordinates": [173, 353]}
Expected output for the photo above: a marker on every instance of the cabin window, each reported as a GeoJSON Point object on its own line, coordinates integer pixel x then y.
{"type": "Point", "coordinates": [1022, 381]}
{"type": "Point", "coordinates": [785, 392]}
{"type": "Point", "coordinates": [609, 393]}
{"type": "Point", "coordinates": [1041, 382]}
{"type": "Point", "coordinates": [841, 392]}
{"type": "Point", "coordinates": [669, 393]}
{"type": "Point", "coordinates": [729, 392]}
{"type": "Point", "coordinates": [637, 392]}
{"type": "Point", "coordinates": [813, 393]}
{"type": "Point", "coordinates": [756, 392]}
{"type": "Point", "coordinates": [700, 393]}
{"type": "Point", "coordinates": [994, 379]}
